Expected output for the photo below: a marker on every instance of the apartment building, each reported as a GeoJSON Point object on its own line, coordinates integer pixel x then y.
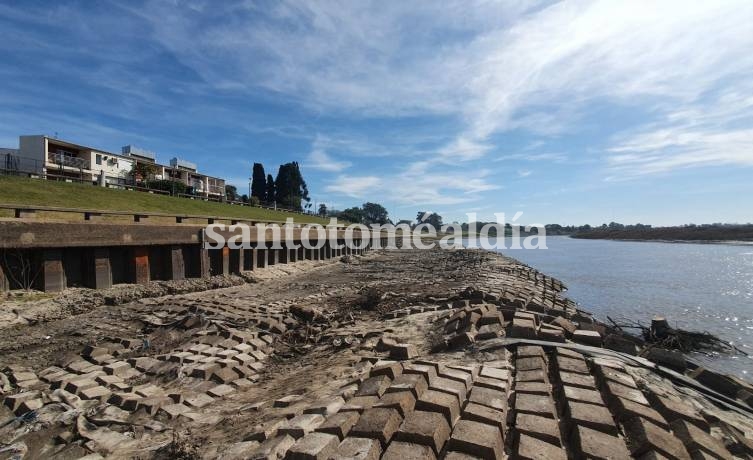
{"type": "Point", "coordinates": [53, 158]}
{"type": "Point", "coordinates": [178, 170]}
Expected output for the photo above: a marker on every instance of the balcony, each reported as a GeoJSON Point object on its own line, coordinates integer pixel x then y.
{"type": "Point", "coordinates": [65, 159]}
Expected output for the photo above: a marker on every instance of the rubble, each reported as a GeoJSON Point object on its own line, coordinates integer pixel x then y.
{"type": "Point", "coordinates": [404, 354]}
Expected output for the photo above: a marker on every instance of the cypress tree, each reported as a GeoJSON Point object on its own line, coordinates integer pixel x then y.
{"type": "Point", "coordinates": [259, 182]}
{"type": "Point", "coordinates": [271, 192]}
{"type": "Point", "coordinates": [291, 188]}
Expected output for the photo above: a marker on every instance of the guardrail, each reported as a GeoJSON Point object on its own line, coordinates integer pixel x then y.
{"type": "Point", "coordinates": [21, 211]}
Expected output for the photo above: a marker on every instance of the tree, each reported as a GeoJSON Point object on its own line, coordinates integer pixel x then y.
{"type": "Point", "coordinates": [142, 172]}
{"type": "Point", "coordinates": [231, 192]}
{"type": "Point", "coordinates": [173, 186]}
{"type": "Point", "coordinates": [374, 213]}
{"type": "Point", "coordinates": [270, 195]}
{"type": "Point", "coordinates": [259, 182]}
{"type": "Point", "coordinates": [352, 215]}
{"type": "Point", "coordinates": [291, 189]}
{"type": "Point", "coordinates": [431, 218]}
{"type": "Point", "coordinates": [323, 210]}
{"type": "Point", "coordinates": [244, 198]}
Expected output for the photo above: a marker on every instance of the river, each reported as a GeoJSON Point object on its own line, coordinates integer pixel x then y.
{"type": "Point", "coordinates": [701, 287]}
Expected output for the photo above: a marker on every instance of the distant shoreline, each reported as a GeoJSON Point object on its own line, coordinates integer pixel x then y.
{"type": "Point", "coordinates": [673, 241]}
{"type": "Point", "coordinates": [645, 240]}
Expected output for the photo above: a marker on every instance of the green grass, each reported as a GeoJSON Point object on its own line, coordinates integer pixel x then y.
{"type": "Point", "coordinates": [37, 192]}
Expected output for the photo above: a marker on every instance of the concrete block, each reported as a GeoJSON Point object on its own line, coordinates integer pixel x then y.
{"type": "Point", "coordinates": [402, 401]}
{"type": "Point", "coordinates": [595, 444]}
{"type": "Point", "coordinates": [426, 428]}
{"type": "Point", "coordinates": [374, 386]}
{"type": "Point", "coordinates": [592, 338]}
{"type": "Point", "coordinates": [443, 403]}
{"type": "Point", "coordinates": [593, 416]}
{"type": "Point", "coordinates": [399, 450]}
{"type": "Point", "coordinates": [477, 439]}
{"type": "Point", "coordinates": [491, 398]}
{"type": "Point", "coordinates": [643, 436]}
{"type": "Point", "coordinates": [339, 424]}
{"type": "Point", "coordinates": [530, 448]}
{"type": "Point", "coordinates": [358, 449]}
{"type": "Point", "coordinates": [313, 446]}
{"type": "Point", "coordinates": [378, 423]}
{"type": "Point", "coordinates": [483, 414]}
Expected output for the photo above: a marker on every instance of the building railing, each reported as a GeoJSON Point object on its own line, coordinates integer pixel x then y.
{"type": "Point", "coordinates": [67, 160]}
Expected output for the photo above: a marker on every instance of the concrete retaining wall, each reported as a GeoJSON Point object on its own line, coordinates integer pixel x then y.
{"type": "Point", "coordinates": [53, 256]}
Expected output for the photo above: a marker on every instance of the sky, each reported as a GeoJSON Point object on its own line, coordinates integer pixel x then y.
{"type": "Point", "coordinates": [569, 112]}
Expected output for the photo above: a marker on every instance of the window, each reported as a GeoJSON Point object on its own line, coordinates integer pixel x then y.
{"type": "Point", "coordinates": [98, 159]}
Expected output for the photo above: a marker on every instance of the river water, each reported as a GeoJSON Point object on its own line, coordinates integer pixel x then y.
{"type": "Point", "coordinates": [700, 287]}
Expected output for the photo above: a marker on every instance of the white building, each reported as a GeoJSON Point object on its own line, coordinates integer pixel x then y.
{"type": "Point", "coordinates": [53, 158]}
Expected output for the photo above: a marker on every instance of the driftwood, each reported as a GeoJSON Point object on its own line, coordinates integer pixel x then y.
{"type": "Point", "coordinates": [661, 335]}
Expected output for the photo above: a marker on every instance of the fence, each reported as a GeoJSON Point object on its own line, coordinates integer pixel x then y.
{"type": "Point", "coordinates": [22, 211]}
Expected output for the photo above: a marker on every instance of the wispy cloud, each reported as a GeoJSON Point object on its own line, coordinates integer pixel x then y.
{"type": "Point", "coordinates": [532, 156]}
{"type": "Point", "coordinates": [419, 183]}
{"type": "Point", "coordinates": [354, 186]}
{"type": "Point", "coordinates": [528, 66]}
{"type": "Point", "coordinates": [318, 159]}
{"type": "Point", "coordinates": [715, 132]}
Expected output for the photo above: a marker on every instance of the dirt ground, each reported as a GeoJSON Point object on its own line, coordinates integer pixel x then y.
{"type": "Point", "coordinates": [251, 370]}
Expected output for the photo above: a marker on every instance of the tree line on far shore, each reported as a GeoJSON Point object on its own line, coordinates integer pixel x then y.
{"type": "Point", "coordinates": [688, 232]}
{"type": "Point", "coordinates": [615, 230]}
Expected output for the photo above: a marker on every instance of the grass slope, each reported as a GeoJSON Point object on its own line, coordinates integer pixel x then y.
{"type": "Point", "coordinates": [36, 192]}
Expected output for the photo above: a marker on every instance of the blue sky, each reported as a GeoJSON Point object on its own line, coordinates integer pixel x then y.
{"type": "Point", "coordinates": [571, 112]}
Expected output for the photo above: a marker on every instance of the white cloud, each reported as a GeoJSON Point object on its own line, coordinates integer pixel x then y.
{"type": "Point", "coordinates": [318, 159]}
{"type": "Point", "coordinates": [713, 133]}
{"type": "Point", "coordinates": [463, 149]}
{"type": "Point", "coordinates": [354, 186]}
{"type": "Point", "coordinates": [524, 173]}
{"type": "Point", "coordinates": [531, 156]}
{"type": "Point", "coordinates": [418, 184]}
{"type": "Point", "coordinates": [494, 66]}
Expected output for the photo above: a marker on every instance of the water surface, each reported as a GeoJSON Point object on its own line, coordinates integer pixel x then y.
{"type": "Point", "coordinates": [703, 287]}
